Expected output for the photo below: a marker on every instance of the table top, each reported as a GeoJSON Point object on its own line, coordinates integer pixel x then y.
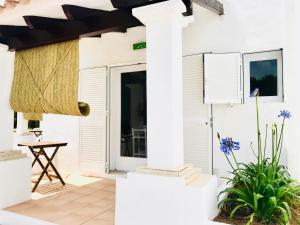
{"type": "Point", "coordinates": [43, 144]}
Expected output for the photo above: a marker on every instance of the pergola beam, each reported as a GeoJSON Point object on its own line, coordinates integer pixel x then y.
{"type": "Point", "coordinates": [130, 4]}
{"type": "Point", "coordinates": [84, 22]}
{"type": "Point", "coordinates": [74, 12]}
{"type": "Point", "coordinates": [81, 22]}
{"type": "Point", "coordinates": [212, 5]}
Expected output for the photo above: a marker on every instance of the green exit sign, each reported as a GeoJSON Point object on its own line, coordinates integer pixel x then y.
{"type": "Point", "coordinates": [140, 45]}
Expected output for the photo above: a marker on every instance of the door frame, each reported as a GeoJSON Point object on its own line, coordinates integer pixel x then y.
{"type": "Point", "coordinates": [114, 112]}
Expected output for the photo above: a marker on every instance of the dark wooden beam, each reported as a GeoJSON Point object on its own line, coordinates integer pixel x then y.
{"type": "Point", "coordinates": [212, 5]}
{"type": "Point", "coordinates": [8, 30]}
{"type": "Point", "coordinates": [37, 22]}
{"type": "Point", "coordinates": [44, 31]}
{"type": "Point", "coordinates": [130, 4]}
{"type": "Point", "coordinates": [111, 21]}
{"type": "Point", "coordinates": [56, 26]}
{"type": "Point", "coordinates": [74, 12]}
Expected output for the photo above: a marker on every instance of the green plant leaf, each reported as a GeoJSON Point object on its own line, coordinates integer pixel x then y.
{"type": "Point", "coordinates": [288, 209]}
{"type": "Point", "coordinates": [235, 210]}
{"type": "Point", "coordinates": [250, 221]}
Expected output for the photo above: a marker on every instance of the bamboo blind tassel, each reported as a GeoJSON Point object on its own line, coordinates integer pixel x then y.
{"type": "Point", "coordinates": [33, 116]}
{"type": "Point", "coordinates": [46, 81]}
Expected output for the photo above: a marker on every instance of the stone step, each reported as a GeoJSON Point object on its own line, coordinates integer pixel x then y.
{"type": "Point", "coordinates": [193, 175]}
{"type": "Point", "coordinates": [182, 171]}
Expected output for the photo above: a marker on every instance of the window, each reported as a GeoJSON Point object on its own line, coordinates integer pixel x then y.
{"type": "Point", "coordinates": [263, 70]}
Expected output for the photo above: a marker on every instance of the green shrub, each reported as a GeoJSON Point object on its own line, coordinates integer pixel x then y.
{"type": "Point", "coordinates": [263, 190]}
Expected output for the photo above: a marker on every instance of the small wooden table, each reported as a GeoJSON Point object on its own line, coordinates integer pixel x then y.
{"type": "Point", "coordinates": [38, 149]}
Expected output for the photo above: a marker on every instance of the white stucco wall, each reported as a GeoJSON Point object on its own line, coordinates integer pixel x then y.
{"type": "Point", "coordinates": [6, 113]}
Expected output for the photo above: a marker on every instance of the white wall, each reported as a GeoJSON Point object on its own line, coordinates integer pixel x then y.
{"type": "Point", "coordinates": [6, 113]}
{"type": "Point", "coordinates": [65, 129]}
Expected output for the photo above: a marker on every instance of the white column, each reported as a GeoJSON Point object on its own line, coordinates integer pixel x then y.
{"type": "Point", "coordinates": [164, 23]}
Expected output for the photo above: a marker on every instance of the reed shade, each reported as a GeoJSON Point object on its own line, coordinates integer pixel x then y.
{"type": "Point", "coordinates": [46, 81]}
{"type": "Point", "coordinates": [33, 116]}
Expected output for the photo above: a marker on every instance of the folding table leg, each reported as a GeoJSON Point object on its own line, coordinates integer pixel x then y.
{"type": "Point", "coordinates": [51, 164]}
{"type": "Point", "coordinates": [36, 156]}
{"type": "Point", "coordinates": [44, 169]}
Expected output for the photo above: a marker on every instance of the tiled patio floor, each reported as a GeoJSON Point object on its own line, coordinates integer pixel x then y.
{"type": "Point", "coordinates": [87, 201]}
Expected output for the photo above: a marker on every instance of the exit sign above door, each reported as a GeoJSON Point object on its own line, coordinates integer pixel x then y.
{"type": "Point", "coordinates": [139, 45]}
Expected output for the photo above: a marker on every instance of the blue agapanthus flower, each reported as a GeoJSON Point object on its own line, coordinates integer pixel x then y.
{"type": "Point", "coordinates": [228, 145]}
{"type": "Point", "coordinates": [285, 114]}
{"type": "Point", "coordinates": [254, 93]}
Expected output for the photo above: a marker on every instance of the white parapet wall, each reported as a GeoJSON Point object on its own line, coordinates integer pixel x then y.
{"type": "Point", "coordinates": [15, 177]}
{"type": "Point", "coordinates": [145, 199]}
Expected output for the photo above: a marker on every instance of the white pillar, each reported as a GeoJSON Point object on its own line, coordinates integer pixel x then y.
{"type": "Point", "coordinates": [148, 197]}
{"type": "Point", "coordinates": [164, 23]}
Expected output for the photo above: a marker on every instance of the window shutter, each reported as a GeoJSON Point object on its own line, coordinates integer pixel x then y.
{"type": "Point", "coordinates": [93, 128]}
{"type": "Point", "coordinates": [222, 76]}
{"type": "Point", "coordinates": [196, 115]}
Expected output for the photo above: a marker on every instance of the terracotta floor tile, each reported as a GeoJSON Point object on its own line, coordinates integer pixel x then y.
{"type": "Point", "coordinates": [21, 206]}
{"type": "Point", "coordinates": [98, 222]}
{"type": "Point", "coordinates": [70, 196]}
{"type": "Point", "coordinates": [36, 212]}
{"type": "Point", "coordinates": [52, 203]}
{"type": "Point", "coordinates": [54, 213]}
{"type": "Point", "coordinates": [84, 190]}
{"type": "Point", "coordinates": [89, 204]}
{"type": "Point", "coordinates": [72, 219]}
{"type": "Point", "coordinates": [101, 194]}
{"type": "Point", "coordinates": [108, 215]}
{"type": "Point", "coordinates": [91, 210]}
{"type": "Point", "coordinates": [111, 188]}
{"type": "Point", "coordinates": [107, 203]}
{"type": "Point", "coordinates": [72, 207]}
{"type": "Point", "coordinates": [97, 185]}
{"type": "Point", "coordinates": [87, 199]}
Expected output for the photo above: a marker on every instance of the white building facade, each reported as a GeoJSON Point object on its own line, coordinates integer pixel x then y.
{"type": "Point", "coordinates": [250, 26]}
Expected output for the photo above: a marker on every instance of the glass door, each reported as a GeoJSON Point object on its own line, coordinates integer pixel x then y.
{"type": "Point", "coordinates": [128, 118]}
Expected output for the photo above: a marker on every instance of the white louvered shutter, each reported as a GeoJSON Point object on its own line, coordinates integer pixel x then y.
{"type": "Point", "coordinates": [197, 130]}
{"type": "Point", "coordinates": [93, 127]}
{"type": "Point", "coordinates": [222, 76]}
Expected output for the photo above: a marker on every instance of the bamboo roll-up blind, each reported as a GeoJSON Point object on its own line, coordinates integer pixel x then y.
{"type": "Point", "coordinates": [33, 116]}
{"type": "Point", "coordinates": [46, 81]}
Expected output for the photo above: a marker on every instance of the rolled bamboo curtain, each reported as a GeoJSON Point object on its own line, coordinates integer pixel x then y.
{"type": "Point", "coordinates": [33, 116]}
{"type": "Point", "coordinates": [46, 81]}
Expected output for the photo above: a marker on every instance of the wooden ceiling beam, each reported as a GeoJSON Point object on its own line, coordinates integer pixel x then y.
{"type": "Point", "coordinates": [8, 30]}
{"type": "Point", "coordinates": [130, 4]}
{"type": "Point", "coordinates": [74, 12]}
{"type": "Point", "coordinates": [213, 5]}
{"type": "Point", "coordinates": [56, 26]}
{"type": "Point", "coordinates": [112, 21]}
{"type": "Point", "coordinates": [44, 31]}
